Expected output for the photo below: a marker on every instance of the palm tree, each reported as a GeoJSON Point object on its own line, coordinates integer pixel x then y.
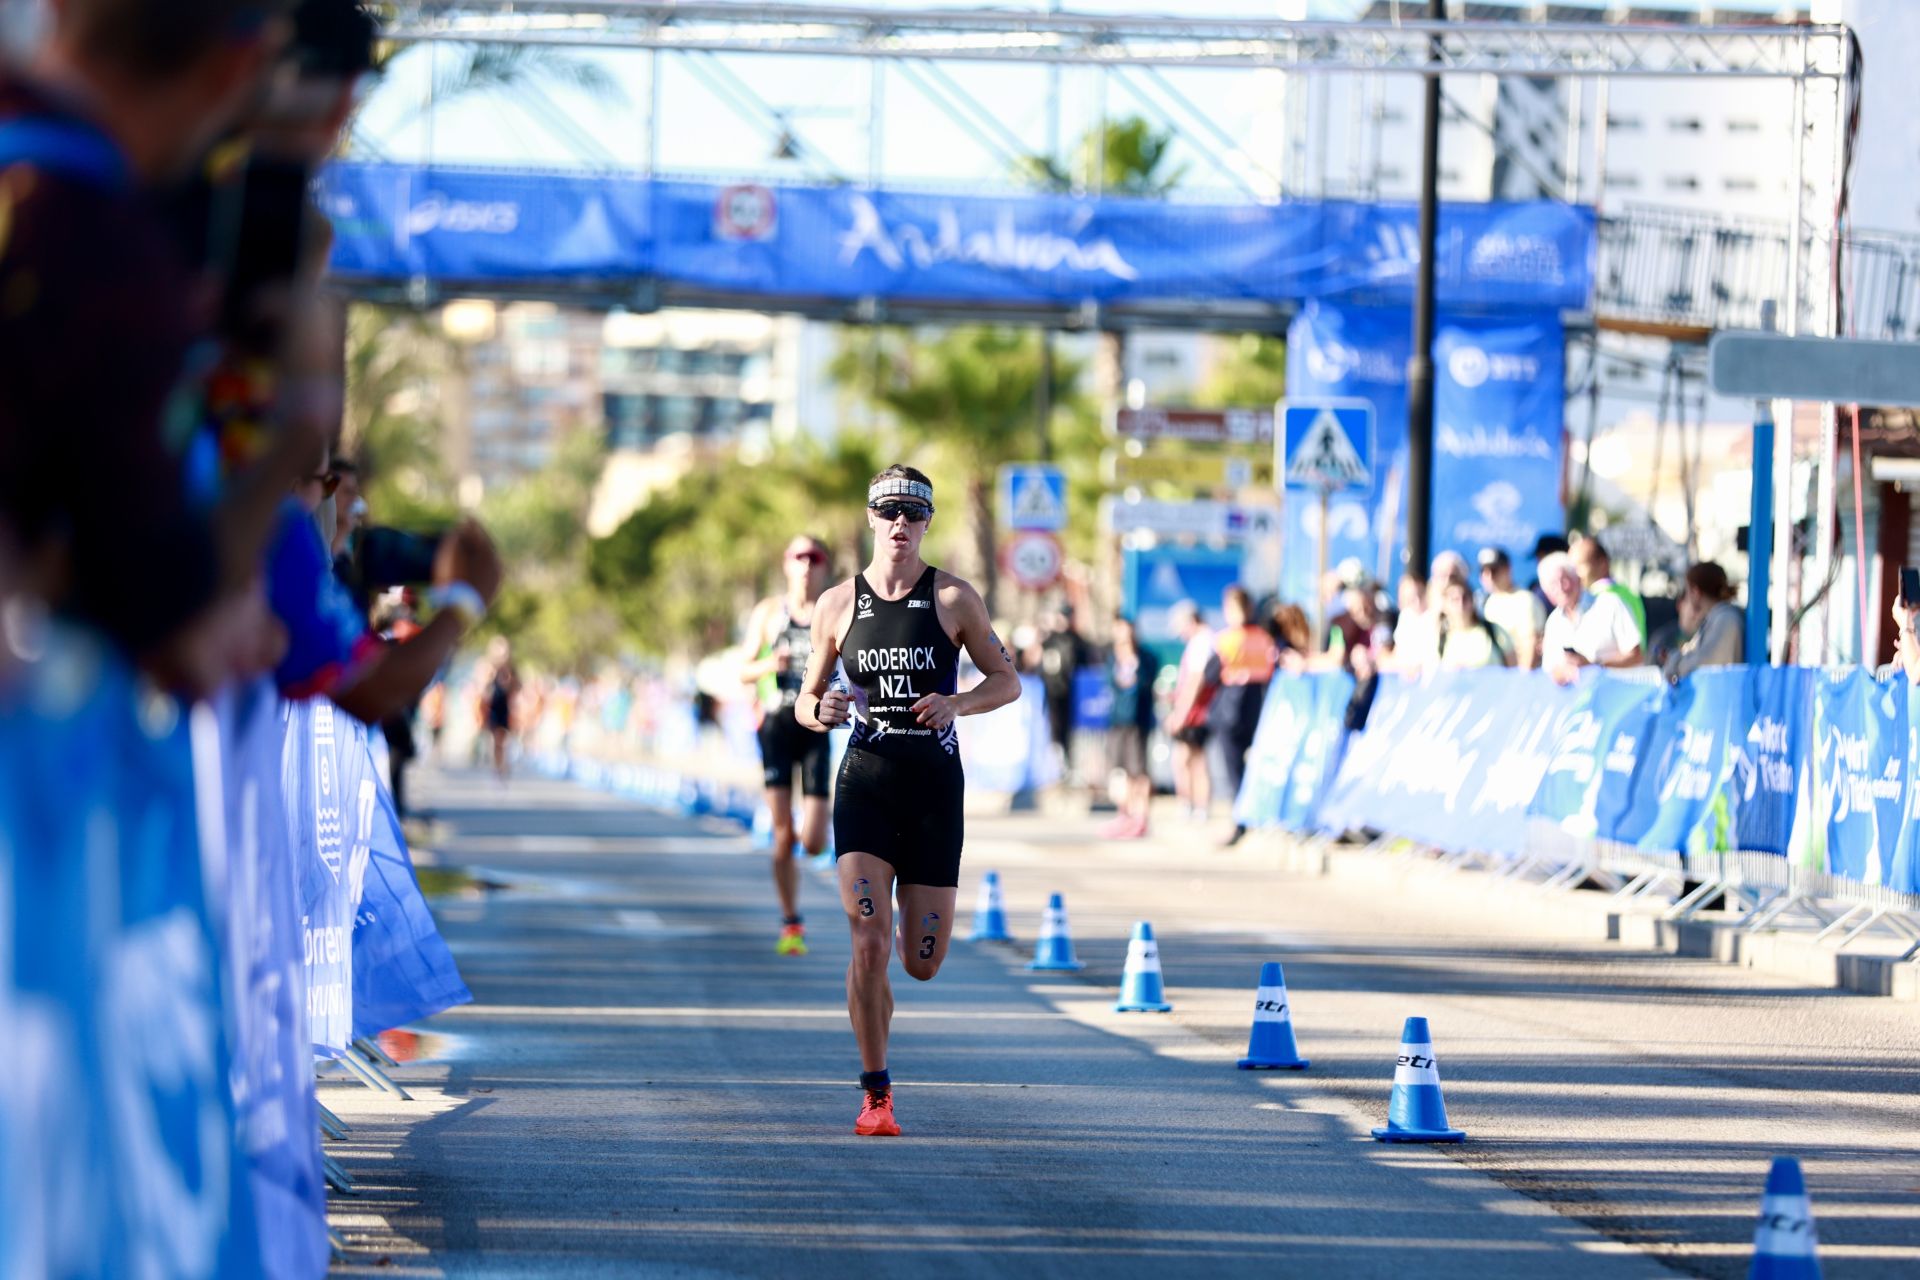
{"type": "Point", "coordinates": [1125, 157]}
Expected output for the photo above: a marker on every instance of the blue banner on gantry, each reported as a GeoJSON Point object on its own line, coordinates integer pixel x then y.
{"type": "Point", "coordinates": [397, 222]}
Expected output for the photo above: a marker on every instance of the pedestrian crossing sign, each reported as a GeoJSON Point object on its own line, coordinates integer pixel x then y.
{"type": "Point", "coordinates": [1328, 443]}
{"type": "Point", "coordinates": [1033, 497]}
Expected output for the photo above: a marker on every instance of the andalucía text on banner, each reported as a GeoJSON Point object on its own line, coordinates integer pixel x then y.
{"type": "Point", "coordinates": [399, 222]}
{"type": "Point", "coordinates": [402, 969]}
{"type": "Point", "coordinates": [118, 1146]}
{"type": "Point", "coordinates": [273, 1054]}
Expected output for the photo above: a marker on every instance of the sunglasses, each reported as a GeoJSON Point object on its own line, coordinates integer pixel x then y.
{"type": "Point", "coordinates": [328, 482]}
{"type": "Point", "coordinates": [914, 512]}
{"type": "Point", "coordinates": [808, 557]}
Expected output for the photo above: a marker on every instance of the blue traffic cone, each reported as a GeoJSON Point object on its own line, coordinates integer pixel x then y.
{"type": "Point", "coordinates": [990, 913]}
{"type": "Point", "coordinates": [1140, 981]}
{"type": "Point", "coordinates": [1271, 1044]}
{"type": "Point", "coordinates": [1785, 1245]}
{"type": "Point", "coordinates": [1417, 1112]}
{"type": "Point", "coordinates": [1055, 948]}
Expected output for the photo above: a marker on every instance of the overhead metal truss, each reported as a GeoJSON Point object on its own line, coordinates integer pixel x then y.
{"type": "Point", "coordinates": [1759, 51]}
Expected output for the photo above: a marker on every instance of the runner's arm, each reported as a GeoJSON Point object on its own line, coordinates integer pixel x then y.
{"type": "Point", "coordinates": [818, 707]}
{"type": "Point", "coordinates": [1001, 685]}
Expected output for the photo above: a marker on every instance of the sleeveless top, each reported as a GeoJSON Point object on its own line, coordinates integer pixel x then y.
{"type": "Point", "coordinates": [777, 691]}
{"type": "Point", "coordinates": [895, 653]}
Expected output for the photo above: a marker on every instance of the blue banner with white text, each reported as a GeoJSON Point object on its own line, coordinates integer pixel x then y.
{"type": "Point", "coordinates": [1769, 791]}
{"type": "Point", "coordinates": [273, 1055]}
{"type": "Point", "coordinates": [119, 1153]}
{"type": "Point", "coordinates": [397, 222]}
{"type": "Point", "coordinates": [1860, 772]}
{"type": "Point", "coordinates": [1498, 419]}
{"type": "Point", "coordinates": [331, 803]}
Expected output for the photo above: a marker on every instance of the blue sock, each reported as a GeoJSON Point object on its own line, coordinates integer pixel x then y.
{"type": "Point", "coordinates": [876, 1081]}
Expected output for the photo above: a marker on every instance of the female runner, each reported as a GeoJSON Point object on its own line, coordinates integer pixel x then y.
{"type": "Point", "coordinates": [895, 633]}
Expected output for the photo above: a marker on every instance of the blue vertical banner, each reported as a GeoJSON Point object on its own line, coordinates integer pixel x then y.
{"type": "Point", "coordinates": [273, 1055]}
{"type": "Point", "coordinates": [402, 969]}
{"type": "Point", "coordinates": [1860, 772]}
{"type": "Point", "coordinates": [118, 1151]}
{"type": "Point", "coordinates": [1498, 430]}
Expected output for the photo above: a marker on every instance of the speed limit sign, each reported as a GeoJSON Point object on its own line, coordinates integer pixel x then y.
{"type": "Point", "coordinates": [1034, 559]}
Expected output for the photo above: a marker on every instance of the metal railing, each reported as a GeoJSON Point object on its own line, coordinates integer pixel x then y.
{"type": "Point", "coordinates": [1700, 270]}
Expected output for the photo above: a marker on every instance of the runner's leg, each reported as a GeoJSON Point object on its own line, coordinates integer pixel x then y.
{"type": "Point", "coordinates": [815, 813]}
{"type": "Point", "coordinates": [926, 926]}
{"type": "Point", "coordinates": [786, 874]}
{"type": "Point", "coordinates": [866, 893]}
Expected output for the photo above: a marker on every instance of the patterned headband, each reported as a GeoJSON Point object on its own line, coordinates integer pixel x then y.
{"type": "Point", "coordinates": [900, 487]}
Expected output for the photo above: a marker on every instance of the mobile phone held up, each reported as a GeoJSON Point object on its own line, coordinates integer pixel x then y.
{"type": "Point", "coordinates": [393, 557]}
{"type": "Point", "coordinates": [1910, 587]}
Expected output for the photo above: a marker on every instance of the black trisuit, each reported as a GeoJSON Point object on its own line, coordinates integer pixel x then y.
{"type": "Point", "coordinates": [901, 784]}
{"type": "Point", "coordinates": [784, 741]}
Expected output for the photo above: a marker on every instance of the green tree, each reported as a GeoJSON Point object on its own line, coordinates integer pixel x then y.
{"type": "Point", "coordinates": [551, 608]}
{"type": "Point", "coordinates": [683, 570]}
{"type": "Point", "coordinates": [396, 361]}
{"type": "Point", "coordinates": [1251, 373]}
{"type": "Point", "coordinates": [1126, 157]}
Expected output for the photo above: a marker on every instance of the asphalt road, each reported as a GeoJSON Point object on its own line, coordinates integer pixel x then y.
{"type": "Point", "coordinates": [644, 1088]}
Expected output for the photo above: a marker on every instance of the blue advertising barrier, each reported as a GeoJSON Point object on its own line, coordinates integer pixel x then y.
{"type": "Point", "coordinates": [118, 1146]}
{"type": "Point", "coordinates": [402, 969]}
{"type": "Point", "coordinates": [1289, 764]}
{"type": "Point", "coordinates": [1772, 759]}
{"type": "Point", "coordinates": [273, 1057]}
{"type": "Point", "coordinates": [1731, 759]}
{"type": "Point", "coordinates": [1860, 772]}
{"type": "Point", "coordinates": [1452, 761]}
{"type": "Point", "coordinates": [398, 222]}
{"type": "Point", "coordinates": [331, 800]}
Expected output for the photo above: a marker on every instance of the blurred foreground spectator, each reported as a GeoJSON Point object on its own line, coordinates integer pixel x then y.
{"type": "Point", "coordinates": [101, 313]}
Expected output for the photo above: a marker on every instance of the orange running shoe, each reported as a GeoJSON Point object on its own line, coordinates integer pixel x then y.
{"type": "Point", "coordinates": [876, 1117]}
{"type": "Point", "coordinates": [793, 940]}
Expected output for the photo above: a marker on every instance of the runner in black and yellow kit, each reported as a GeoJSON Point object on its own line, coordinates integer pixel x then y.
{"type": "Point", "coordinates": [780, 636]}
{"type": "Point", "coordinates": [895, 633]}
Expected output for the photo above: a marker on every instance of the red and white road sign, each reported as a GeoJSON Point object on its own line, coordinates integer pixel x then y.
{"type": "Point", "coordinates": [745, 212]}
{"type": "Point", "coordinates": [1034, 559]}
